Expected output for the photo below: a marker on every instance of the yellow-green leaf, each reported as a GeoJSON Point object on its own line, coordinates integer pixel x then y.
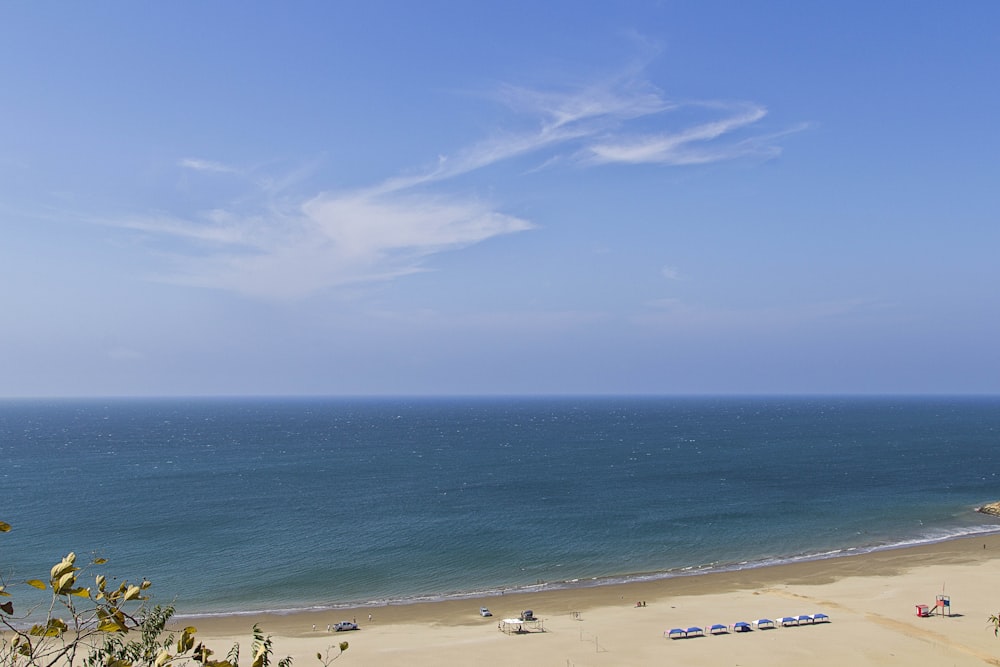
{"type": "Point", "coordinates": [201, 653]}
{"type": "Point", "coordinates": [100, 561]}
{"type": "Point", "coordinates": [163, 659]}
{"type": "Point", "coordinates": [53, 628]}
{"type": "Point", "coordinates": [186, 641]}
{"type": "Point", "coordinates": [132, 593]}
{"type": "Point", "coordinates": [65, 583]}
{"type": "Point", "coordinates": [40, 585]}
{"type": "Point", "coordinates": [4, 527]}
{"type": "Point", "coordinates": [111, 625]}
{"type": "Point", "coordinates": [63, 567]}
{"type": "Point", "coordinates": [80, 592]}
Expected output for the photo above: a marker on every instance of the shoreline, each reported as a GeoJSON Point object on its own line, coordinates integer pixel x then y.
{"type": "Point", "coordinates": [870, 595]}
{"type": "Point", "coordinates": [637, 578]}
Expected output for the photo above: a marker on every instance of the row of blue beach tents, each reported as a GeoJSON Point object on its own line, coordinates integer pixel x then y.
{"type": "Point", "coordinates": [743, 626]}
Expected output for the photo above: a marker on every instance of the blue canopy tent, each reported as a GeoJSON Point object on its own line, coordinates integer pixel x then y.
{"type": "Point", "coordinates": [742, 626]}
{"type": "Point", "coordinates": [820, 618]}
{"type": "Point", "coordinates": [764, 623]}
{"type": "Point", "coordinates": [718, 629]}
{"type": "Point", "coordinates": [675, 633]}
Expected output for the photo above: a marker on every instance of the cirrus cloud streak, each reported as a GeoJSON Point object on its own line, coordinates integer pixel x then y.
{"type": "Point", "coordinates": [334, 238]}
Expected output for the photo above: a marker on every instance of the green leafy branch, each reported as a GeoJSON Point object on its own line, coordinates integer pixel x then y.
{"type": "Point", "coordinates": [107, 626]}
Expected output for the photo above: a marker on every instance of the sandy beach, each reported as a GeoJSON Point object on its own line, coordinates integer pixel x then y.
{"type": "Point", "coordinates": [870, 598]}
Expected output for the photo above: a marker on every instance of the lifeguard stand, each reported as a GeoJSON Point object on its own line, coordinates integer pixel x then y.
{"type": "Point", "coordinates": [942, 605]}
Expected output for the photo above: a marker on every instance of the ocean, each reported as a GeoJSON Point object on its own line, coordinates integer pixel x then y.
{"type": "Point", "coordinates": [246, 505]}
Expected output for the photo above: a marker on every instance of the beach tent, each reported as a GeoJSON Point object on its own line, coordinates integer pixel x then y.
{"type": "Point", "coordinates": [675, 633]}
{"type": "Point", "coordinates": [718, 629]}
{"type": "Point", "coordinates": [694, 631]}
{"type": "Point", "coordinates": [763, 623]}
{"type": "Point", "coordinates": [788, 620]}
{"type": "Point", "coordinates": [803, 618]}
{"type": "Point", "coordinates": [742, 626]}
{"type": "Point", "coordinates": [820, 618]}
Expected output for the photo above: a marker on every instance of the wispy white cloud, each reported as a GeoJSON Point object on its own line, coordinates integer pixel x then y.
{"type": "Point", "coordinates": [621, 98]}
{"type": "Point", "coordinates": [284, 248]}
{"type": "Point", "coordinates": [691, 145]}
{"type": "Point", "coordinates": [329, 241]}
{"type": "Point", "coordinates": [205, 165]}
{"type": "Point", "coordinates": [561, 119]}
{"type": "Point", "coordinates": [213, 227]}
{"type": "Point", "coordinates": [370, 227]}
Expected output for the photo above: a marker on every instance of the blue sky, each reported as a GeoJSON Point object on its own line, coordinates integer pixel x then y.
{"type": "Point", "coordinates": [355, 198]}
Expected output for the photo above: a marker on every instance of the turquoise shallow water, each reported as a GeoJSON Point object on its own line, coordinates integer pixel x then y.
{"type": "Point", "coordinates": [253, 504]}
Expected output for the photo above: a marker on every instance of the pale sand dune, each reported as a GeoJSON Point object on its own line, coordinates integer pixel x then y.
{"type": "Point", "coordinates": [870, 599]}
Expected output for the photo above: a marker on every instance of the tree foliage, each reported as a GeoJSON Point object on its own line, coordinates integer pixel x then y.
{"type": "Point", "coordinates": [102, 625]}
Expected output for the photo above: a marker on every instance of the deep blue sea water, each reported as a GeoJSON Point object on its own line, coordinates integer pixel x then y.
{"type": "Point", "coordinates": [255, 504]}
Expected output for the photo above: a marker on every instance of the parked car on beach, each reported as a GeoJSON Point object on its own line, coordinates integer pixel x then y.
{"type": "Point", "coordinates": [483, 611]}
{"type": "Point", "coordinates": [345, 625]}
